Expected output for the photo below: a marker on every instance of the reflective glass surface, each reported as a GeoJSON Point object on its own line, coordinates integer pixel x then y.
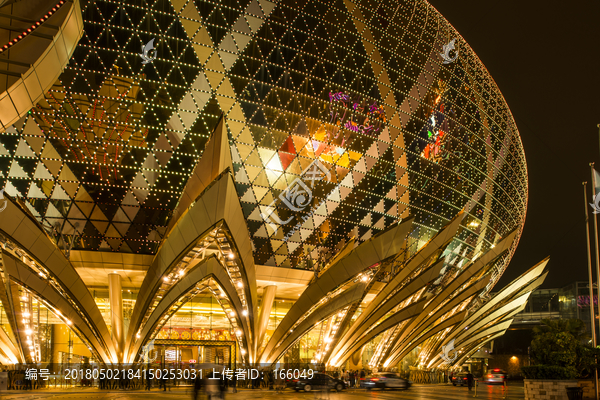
{"type": "Point", "coordinates": [343, 118]}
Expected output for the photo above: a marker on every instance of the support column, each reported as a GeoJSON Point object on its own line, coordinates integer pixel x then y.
{"type": "Point", "coordinates": [115, 295]}
{"type": "Point", "coordinates": [265, 313]}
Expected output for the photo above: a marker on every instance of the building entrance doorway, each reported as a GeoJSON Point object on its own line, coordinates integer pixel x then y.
{"type": "Point", "coordinates": [183, 354]}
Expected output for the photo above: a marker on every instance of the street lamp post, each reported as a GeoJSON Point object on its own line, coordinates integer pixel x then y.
{"type": "Point", "coordinates": [590, 281]}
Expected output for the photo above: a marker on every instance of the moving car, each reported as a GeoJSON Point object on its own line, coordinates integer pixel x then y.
{"type": "Point", "coordinates": [319, 381]}
{"type": "Point", "coordinates": [460, 379]}
{"type": "Point", "coordinates": [385, 380]}
{"type": "Point", "coordinates": [495, 377]}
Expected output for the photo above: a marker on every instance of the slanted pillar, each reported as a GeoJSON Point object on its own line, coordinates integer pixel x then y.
{"type": "Point", "coordinates": [265, 313]}
{"type": "Point", "coordinates": [115, 295]}
{"type": "Point", "coordinates": [9, 348]}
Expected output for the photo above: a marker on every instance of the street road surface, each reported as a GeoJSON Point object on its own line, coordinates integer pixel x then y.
{"type": "Point", "coordinates": [417, 392]}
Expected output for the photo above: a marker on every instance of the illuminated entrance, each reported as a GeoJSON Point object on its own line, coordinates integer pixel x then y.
{"type": "Point", "coordinates": [189, 353]}
{"type": "Point", "coordinates": [197, 332]}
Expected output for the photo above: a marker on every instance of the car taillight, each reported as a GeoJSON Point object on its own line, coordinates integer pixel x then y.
{"type": "Point", "coordinates": [374, 379]}
{"type": "Point", "coordinates": [490, 376]}
{"type": "Point", "coordinates": [465, 379]}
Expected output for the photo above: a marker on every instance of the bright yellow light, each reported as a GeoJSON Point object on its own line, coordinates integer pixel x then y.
{"type": "Point", "coordinates": [275, 164]}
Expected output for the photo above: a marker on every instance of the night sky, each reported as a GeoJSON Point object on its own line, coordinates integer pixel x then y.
{"type": "Point", "coordinates": [545, 58]}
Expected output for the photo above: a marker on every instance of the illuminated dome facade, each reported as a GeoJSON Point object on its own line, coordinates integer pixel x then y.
{"type": "Point", "coordinates": [343, 119]}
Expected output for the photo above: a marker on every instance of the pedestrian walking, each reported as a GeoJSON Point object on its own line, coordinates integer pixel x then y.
{"type": "Point", "coordinates": [270, 380]}
{"type": "Point", "coordinates": [163, 382]}
{"type": "Point", "coordinates": [27, 382]}
{"type": "Point", "coordinates": [347, 378]}
{"type": "Point", "coordinates": [148, 383]}
{"type": "Point", "coordinates": [279, 383]}
{"type": "Point", "coordinates": [470, 380]}
{"type": "Point", "coordinates": [213, 387]}
{"type": "Point", "coordinates": [198, 387]}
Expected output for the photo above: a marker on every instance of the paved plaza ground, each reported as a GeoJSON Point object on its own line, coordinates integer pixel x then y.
{"type": "Point", "coordinates": [420, 392]}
